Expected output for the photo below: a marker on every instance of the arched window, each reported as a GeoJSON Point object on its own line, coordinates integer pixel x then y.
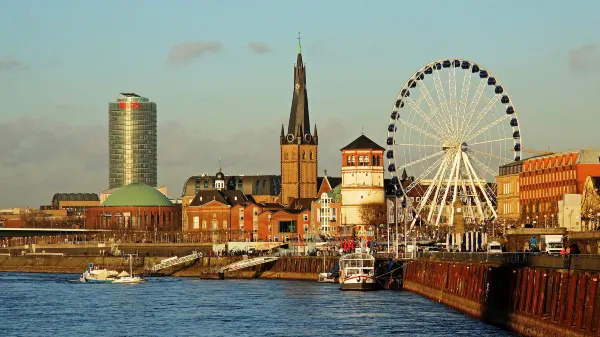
{"type": "Point", "coordinates": [360, 161]}
{"type": "Point", "coordinates": [348, 160]}
{"type": "Point", "coordinates": [366, 160]}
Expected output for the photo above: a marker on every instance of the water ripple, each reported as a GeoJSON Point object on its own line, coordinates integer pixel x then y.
{"type": "Point", "coordinates": [50, 304]}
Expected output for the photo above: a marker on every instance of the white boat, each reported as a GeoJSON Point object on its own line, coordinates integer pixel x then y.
{"type": "Point", "coordinates": [110, 276]}
{"type": "Point", "coordinates": [357, 272]}
{"type": "Point", "coordinates": [326, 278]}
{"type": "Point", "coordinates": [98, 275]}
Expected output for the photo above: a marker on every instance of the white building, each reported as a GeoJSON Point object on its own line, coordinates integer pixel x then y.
{"type": "Point", "coordinates": [569, 212]}
{"type": "Point", "coordinates": [362, 178]}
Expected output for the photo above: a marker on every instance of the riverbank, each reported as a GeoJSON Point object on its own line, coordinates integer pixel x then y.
{"type": "Point", "coordinates": [286, 268]}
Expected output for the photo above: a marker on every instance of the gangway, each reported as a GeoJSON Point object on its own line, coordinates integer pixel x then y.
{"type": "Point", "coordinates": [173, 262]}
{"type": "Point", "coordinates": [247, 263]}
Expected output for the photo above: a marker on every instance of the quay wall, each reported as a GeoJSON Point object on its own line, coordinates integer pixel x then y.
{"type": "Point", "coordinates": [291, 268]}
{"type": "Point", "coordinates": [529, 301]}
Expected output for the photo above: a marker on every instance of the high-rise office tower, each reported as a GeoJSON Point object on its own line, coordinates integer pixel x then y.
{"type": "Point", "coordinates": [132, 141]}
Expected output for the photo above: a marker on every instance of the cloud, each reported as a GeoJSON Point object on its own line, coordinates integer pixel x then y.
{"type": "Point", "coordinates": [259, 47]}
{"type": "Point", "coordinates": [11, 64]}
{"type": "Point", "coordinates": [40, 157]}
{"type": "Point", "coordinates": [183, 53]}
{"type": "Point", "coordinates": [585, 58]}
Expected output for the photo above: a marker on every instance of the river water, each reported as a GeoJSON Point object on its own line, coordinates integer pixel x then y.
{"type": "Point", "coordinates": [52, 305]}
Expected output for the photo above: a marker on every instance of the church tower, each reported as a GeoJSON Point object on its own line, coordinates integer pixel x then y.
{"type": "Point", "coordinates": [298, 145]}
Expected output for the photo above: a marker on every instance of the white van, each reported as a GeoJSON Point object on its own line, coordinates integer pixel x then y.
{"type": "Point", "coordinates": [494, 247]}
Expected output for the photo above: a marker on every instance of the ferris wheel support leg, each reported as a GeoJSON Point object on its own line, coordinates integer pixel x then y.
{"type": "Point", "coordinates": [451, 220]}
{"type": "Point", "coordinates": [438, 185]}
{"type": "Point", "coordinates": [443, 202]}
{"type": "Point", "coordinates": [477, 201]}
{"type": "Point", "coordinates": [483, 191]}
{"type": "Point", "coordinates": [428, 192]}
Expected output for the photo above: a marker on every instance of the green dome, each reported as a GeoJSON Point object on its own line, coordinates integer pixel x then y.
{"type": "Point", "coordinates": [137, 194]}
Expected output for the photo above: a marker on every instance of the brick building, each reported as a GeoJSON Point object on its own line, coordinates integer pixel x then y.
{"type": "Point", "coordinates": [545, 179]}
{"type": "Point", "coordinates": [135, 207]}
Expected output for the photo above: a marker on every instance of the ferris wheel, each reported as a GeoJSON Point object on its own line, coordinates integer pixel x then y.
{"type": "Point", "coordinates": [452, 125]}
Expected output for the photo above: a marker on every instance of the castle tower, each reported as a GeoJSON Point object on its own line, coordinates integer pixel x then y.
{"type": "Point", "coordinates": [298, 145]}
{"type": "Point", "coordinates": [362, 178]}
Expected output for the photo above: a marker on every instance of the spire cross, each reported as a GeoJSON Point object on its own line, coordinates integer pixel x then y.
{"type": "Point", "coordinates": [362, 130]}
{"type": "Point", "coordinates": [299, 45]}
{"type": "Point", "coordinates": [220, 164]}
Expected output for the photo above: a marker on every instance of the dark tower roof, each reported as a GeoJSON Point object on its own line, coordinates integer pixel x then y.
{"type": "Point", "coordinates": [299, 112]}
{"type": "Point", "coordinates": [362, 143]}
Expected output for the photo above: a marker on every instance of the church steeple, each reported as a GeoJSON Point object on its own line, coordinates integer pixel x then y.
{"type": "Point", "coordinates": [299, 117]}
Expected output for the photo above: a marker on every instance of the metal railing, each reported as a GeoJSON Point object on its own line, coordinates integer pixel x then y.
{"type": "Point", "coordinates": [173, 262]}
{"type": "Point", "coordinates": [586, 262]}
{"type": "Point", "coordinates": [247, 263]}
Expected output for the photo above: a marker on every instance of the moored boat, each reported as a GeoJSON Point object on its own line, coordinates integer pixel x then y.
{"type": "Point", "coordinates": [357, 272]}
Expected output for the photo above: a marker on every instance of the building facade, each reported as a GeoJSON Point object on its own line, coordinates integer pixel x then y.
{"type": "Point", "coordinates": [362, 178]}
{"type": "Point", "coordinates": [507, 184]}
{"type": "Point", "coordinates": [299, 153]}
{"type": "Point", "coordinates": [544, 181]}
{"type": "Point", "coordinates": [135, 207]}
{"type": "Point", "coordinates": [132, 141]}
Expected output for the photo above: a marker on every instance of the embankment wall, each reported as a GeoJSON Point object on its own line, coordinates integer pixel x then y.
{"type": "Point", "coordinates": [529, 301]}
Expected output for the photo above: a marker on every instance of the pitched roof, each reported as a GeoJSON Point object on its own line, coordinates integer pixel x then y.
{"type": "Point", "coordinates": [333, 182]}
{"type": "Point", "coordinates": [301, 203]}
{"type": "Point", "coordinates": [206, 196]}
{"type": "Point", "coordinates": [362, 143]}
{"type": "Point", "coordinates": [324, 188]}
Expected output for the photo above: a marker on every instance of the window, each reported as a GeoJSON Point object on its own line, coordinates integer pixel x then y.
{"type": "Point", "coordinates": [240, 184]}
{"type": "Point", "coordinates": [196, 222]}
{"type": "Point", "coordinates": [311, 155]}
{"type": "Point", "coordinates": [360, 160]}
{"type": "Point", "coordinates": [352, 161]}
{"type": "Point", "coordinates": [348, 160]}
{"type": "Point", "coordinates": [305, 228]}
{"type": "Point", "coordinates": [241, 214]}
{"type": "Point", "coordinates": [366, 160]}
{"type": "Point", "coordinates": [287, 226]}
{"type": "Point", "coordinates": [305, 217]}
{"type": "Point", "coordinates": [203, 224]}
{"type": "Point", "coordinates": [205, 183]}
{"type": "Point", "coordinates": [224, 224]}
{"type": "Point", "coordinates": [303, 155]}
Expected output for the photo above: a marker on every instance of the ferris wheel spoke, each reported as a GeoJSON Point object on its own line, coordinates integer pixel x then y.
{"type": "Point", "coordinates": [433, 108]}
{"type": "Point", "coordinates": [489, 126]}
{"type": "Point", "coordinates": [423, 115]}
{"type": "Point", "coordinates": [420, 160]}
{"type": "Point", "coordinates": [464, 96]}
{"type": "Point", "coordinates": [419, 145]}
{"type": "Point", "coordinates": [416, 128]}
{"type": "Point", "coordinates": [504, 160]}
{"type": "Point", "coordinates": [452, 95]}
{"type": "Point", "coordinates": [424, 175]}
{"type": "Point", "coordinates": [475, 102]}
{"type": "Point", "coordinates": [438, 182]}
{"type": "Point", "coordinates": [491, 141]}
{"type": "Point", "coordinates": [481, 114]}
{"type": "Point", "coordinates": [483, 166]}
{"type": "Point", "coordinates": [439, 88]}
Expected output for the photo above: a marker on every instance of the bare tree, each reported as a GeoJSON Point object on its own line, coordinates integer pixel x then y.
{"type": "Point", "coordinates": [373, 214]}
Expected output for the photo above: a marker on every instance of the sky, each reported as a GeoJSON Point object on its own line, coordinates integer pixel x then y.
{"type": "Point", "coordinates": [221, 73]}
